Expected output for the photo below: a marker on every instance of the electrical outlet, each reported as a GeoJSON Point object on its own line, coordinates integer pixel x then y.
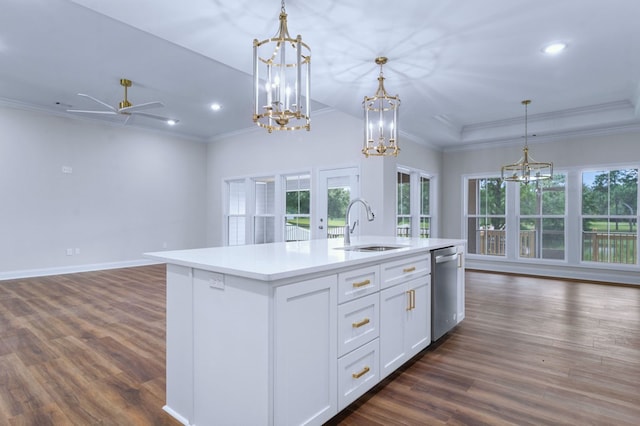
{"type": "Point", "coordinates": [67, 169]}
{"type": "Point", "coordinates": [69, 252]}
{"type": "Point", "coordinates": [77, 250]}
{"type": "Point", "coordinates": [216, 281]}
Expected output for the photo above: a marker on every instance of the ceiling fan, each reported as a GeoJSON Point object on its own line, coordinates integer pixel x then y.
{"type": "Point", "coordinates": [125, 107]}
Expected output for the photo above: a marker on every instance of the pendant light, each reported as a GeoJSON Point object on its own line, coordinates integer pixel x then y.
{"type": "Point", "coordinates": [526, 169]}
{"type": "Point", "coordinates": [281, 78]}
{"type": "Point", "coordinates": [381, 120]}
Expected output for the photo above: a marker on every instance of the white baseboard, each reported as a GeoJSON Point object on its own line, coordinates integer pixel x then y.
{"type": "Point", "coordinates": [176, 416]}
{"type": "Point", "coordinates": [30, 273]}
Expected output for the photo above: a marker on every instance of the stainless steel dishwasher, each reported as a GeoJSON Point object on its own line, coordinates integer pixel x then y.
{"type": "Point", "coordinates": [444, 291]}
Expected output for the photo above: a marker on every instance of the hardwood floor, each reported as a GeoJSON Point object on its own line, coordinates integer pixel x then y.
{"type": "Point", "coordinates": [89, 349]}
{"type": "Point", "coordinates": [531, 351]}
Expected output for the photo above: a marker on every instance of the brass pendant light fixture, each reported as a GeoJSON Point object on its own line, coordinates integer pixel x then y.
{"type": "Point", "coordinates": [281, 79]}
{"type": "Point", "coordinates": [381, 120]}
{"type": "Point", "coordinates": [526, 169]}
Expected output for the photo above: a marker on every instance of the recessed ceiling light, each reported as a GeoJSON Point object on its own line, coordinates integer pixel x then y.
{"type": "Point", "coordinates": [171, 122]}
{"type": "Point", "coordinates": [215, 107]}
{"type": "Point", "coordinates": [554, 48]}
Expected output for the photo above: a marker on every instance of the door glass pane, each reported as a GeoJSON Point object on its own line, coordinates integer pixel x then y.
{"type": "Point", "coordinates": [297, 207]}
{"type": "Point", "coordinates": [338, 199]}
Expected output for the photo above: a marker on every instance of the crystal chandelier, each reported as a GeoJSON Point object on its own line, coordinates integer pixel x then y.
{"type": "Point", "coordinates": [381, 119]}
{"type": "Point", "coordinates": [281, 77]}
{"type": "Point", "coordinates": [526, 169]}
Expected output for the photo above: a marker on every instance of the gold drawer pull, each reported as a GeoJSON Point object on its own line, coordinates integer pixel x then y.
{"type": "Point", "coordinates": [364, 371]}
{"type": "Point", "coordinates": [361, 323]}
{"type": "Point", "coordinates": [407, 270]}
{"type": "Point", "coordinates": [361, 283]}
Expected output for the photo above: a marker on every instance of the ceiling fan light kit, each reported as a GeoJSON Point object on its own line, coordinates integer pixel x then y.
{"type": "Point", "coordinates": [281, 79]}
{"type": "Point", "coordinates": [125, 107]}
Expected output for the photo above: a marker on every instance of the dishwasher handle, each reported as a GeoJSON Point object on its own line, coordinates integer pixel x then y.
{"type": "Point", "coordinates": [450, 258]}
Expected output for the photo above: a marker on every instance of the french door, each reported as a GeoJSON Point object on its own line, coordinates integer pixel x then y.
{"type": "Point", "coordinates": [335, 189]}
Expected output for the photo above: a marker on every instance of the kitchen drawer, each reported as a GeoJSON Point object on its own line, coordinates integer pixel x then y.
{"type": "Point", "coordinates": [358, 372]}
{"type": "Point", "coordinates": [402, 270]}
{"type": "Point", "coordinates": [358, 322]}
{"type": "Point", "coordinates": [358, 283]}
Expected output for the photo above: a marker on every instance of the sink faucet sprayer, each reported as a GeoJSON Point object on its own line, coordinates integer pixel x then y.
{"type": "Point", "coordinates": [347, 228]}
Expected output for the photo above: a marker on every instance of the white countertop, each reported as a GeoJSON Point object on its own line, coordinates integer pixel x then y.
{"type": "Point", "coordinates": [269, 262]}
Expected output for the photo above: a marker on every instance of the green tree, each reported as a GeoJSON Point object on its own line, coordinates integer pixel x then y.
{"type": "Point", "coordinates": [338, 200]}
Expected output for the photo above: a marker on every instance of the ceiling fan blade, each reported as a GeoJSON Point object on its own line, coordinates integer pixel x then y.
{"type": "Point", "coordinates": [106, 105]}
{"type": "Point", "coordinates": [141, 107]}
{"type": "Point", "coordinates": [156, 117]}
{"type": "Point", "coordinates": [89, 111]}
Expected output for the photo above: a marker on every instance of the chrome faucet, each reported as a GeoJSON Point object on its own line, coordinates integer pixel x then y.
{"type": "Point", "coordinates": [348, 229]}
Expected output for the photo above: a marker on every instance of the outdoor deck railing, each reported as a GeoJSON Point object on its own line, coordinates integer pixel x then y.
{"type": "Point", "coordinates": [614, 247]}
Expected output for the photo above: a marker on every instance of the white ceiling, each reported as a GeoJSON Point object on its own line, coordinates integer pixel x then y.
{"type": "Point", "coordinates": [461, 67]}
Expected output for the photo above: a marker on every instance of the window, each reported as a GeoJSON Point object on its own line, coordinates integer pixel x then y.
{"type": "Point", "coordinates": [610, 216]}
{"type": "Point", "coordinates": [413, 197]}
{"type": "Point", "coordinates": [297, 207]}
{"type": "Point", "coordinates": [425, 201]}
{"type": "Point", "coordinates": [264, 213]}
{"type": "Point", "coordinates": [542, 219]}
{"type": "Point", "coordinates": [403, 228]}
{"type": "Point", "coordinates": [236, 219]}
{"type": "Point", "coordinates": [486, 216]}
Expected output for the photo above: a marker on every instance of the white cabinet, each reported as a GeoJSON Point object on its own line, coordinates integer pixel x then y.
{"type": "Point", "coordinates": [305, 352]}
{"type": "Point", "coordinates": [461, 282]}
{"type": "Point", "coordinates": [244, 351]}
{"type": "Point", "coordinates": [358, 331]}
{"type": "Point", "coordinates": [405, 314]}
{"type": "Point", "coordinates": [358, 371]}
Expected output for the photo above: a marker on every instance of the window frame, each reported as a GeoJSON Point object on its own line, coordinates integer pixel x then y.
{"type": "Point", "coordinates": [541, 216]}
{"type": "Point", "coordinates": [415, 202]}
{"type": "Point", "coordinates": [582, 217]}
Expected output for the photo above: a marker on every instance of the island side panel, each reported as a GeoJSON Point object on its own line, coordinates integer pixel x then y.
{"type": "Point", "coordinates": [179, 343]}
{"type": "Point", "coordinates": [231, 350]}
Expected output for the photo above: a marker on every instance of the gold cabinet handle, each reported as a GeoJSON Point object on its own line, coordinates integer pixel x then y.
{"type": "Point", "coordinates": [361, 283]}
{"type": "Point", "coordinates": [411, 299]}
{"type": "Point", "coordinates": [407, 270]}
{"type": "Point", "coordinates": [361, 323]}
{"type": "Point", "coordinates": [364, 371]}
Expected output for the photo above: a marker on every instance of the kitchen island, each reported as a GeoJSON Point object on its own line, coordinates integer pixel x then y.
{"type": "Point", "coordinates": [292, 333]}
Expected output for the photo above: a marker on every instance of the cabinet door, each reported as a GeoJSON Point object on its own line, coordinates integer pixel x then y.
{"type": "Point", "coordinates": [305, 351]}
{"type": "Point", "coordinates": [394, 303]}
{"type": "Point", "coordinates": [418, 329]}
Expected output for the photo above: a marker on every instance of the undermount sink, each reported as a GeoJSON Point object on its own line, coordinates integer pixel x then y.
{"type": "Point", "coordinates": [370, 247]}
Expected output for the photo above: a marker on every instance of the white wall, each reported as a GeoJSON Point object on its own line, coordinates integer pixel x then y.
{"type": "Point", "coordinates": [335, 140]}
{"type": "Point", "coordinates": [568, 154]}
{"type": "Point", "coordinates": [129, 192]}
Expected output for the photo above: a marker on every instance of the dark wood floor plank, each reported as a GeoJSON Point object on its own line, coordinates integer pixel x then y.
{"type": "Point", "coordinates": [89, 348]}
